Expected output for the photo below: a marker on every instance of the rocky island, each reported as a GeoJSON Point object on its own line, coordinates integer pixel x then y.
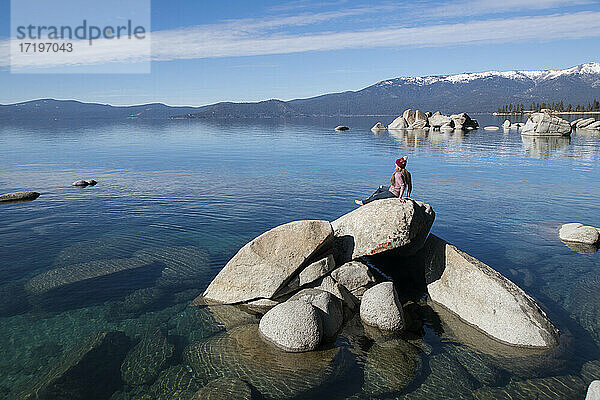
{"type": "Point", "coordinates": [309, 278]}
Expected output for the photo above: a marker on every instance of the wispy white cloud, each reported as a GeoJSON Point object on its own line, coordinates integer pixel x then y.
{"type": "Point", "coordinates": [490, 7]}
{"type": "Point", "coordinates": [262, 37]}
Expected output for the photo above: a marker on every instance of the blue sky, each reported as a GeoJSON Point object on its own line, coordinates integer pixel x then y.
{"type": "Point", "coordinates": [234, 50]}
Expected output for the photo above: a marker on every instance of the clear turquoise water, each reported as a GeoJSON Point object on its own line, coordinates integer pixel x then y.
{"type": "Point", "coordinates": [183, 196]}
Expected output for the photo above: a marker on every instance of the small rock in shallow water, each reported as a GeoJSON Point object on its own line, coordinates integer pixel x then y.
{"type": "Point", "coordinates": [329, 307]}
{"type": "Point", "coordinates": [381, 308]}
{"type": "Point", "coordinates": [18, 197]}
{"type": "Point", "coordinates": [341, 128]}
{"type": "Point", "coordinates": [578, 233]}
{"type": "Point", "coordinates": [293, 326]}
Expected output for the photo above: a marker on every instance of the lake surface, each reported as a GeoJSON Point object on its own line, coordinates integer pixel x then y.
{"type": "Point", "coordinates": [176, 199]}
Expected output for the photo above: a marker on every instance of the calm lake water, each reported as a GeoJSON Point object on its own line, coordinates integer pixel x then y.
{"type": "Point", "coordinates": [176, 199]}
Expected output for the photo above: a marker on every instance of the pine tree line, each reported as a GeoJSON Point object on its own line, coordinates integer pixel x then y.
{"type": "Point", "coordinates": [558, 107]}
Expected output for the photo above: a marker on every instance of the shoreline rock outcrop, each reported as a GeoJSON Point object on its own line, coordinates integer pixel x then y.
{"type": "Point", "coordinates": [543, 123]}
{"type": "Point", "coordinates": [18, 197]}
{"type": "Point", "coordinates": [484, 298]}
{"type": "Point", "coordinates": [417, 120]}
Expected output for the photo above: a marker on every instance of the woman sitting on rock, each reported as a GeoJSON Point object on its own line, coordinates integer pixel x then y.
{"type": "Point", "coordinates": [400, 182]}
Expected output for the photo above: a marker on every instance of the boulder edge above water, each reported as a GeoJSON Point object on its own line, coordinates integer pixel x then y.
{"type": "Point", "coordinates": [484, 298]}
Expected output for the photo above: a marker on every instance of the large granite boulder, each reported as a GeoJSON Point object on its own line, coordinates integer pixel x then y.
{"type": "Point", "coordinates": [267, 263]}
{"type": "Point", "coordinates": [579, 233]}
{"type": "Point", "coordinates": [18, 197]}
{"type": "Point", "coordinates": [293, 326]}
{"type": "Point", "coordinates": [545, 124]}
{"type": "Point", "coordinates": [328, 306]}
{"type": "Point", "coordinates": [89, 371]}
{"type": "Point", "coordinates": [438, 120]}
{"type": "Point", "coordinates": [399, 123]}
{"type": "Point", "coordinates": [381, 226]}
{"type": "Point", "coordinates": [484, 298]}
{"type": "Point", "coordinates": [418, 124]}
{"type": "Point", "coordinates": [381, 308]}
{"type": "Point", "coordinates": [463, 121]}
{"type": "Point", "coordinates": [593, 392]}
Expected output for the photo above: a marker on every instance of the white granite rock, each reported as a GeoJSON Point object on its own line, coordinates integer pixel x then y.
{"type": "Point", "coordinates": [353, 275]}
{"type": "Point", "coordinates": [578, 233]}
{"type": "Point", "coordinates": [293, 326]}
{"type": "Point", "coordinates": [329, 306]}
{"type": "Point", "coordinates": [381, 308]}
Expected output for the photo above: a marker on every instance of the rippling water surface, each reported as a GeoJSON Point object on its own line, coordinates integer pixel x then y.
{"type": "Point", "coordinates": [175, 201]}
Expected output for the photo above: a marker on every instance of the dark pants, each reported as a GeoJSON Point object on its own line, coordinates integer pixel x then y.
{"type": "Point", "coordinates": [382, 193]}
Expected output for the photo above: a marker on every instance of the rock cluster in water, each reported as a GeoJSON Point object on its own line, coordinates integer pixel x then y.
{"type": "Point", "coordinates": [412, 120]}
{"type": "Point", "coordinates": [312, 278]}
{"type": "Point", "coordinates": [586, 124]}
{"type": "Point", "coordinates": [544, 123]}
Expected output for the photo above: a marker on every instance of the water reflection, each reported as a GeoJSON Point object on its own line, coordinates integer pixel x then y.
{"type": "Point", "coordinates": [544, 146]}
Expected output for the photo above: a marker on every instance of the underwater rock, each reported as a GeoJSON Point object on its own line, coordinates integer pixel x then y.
{"type": "Point", "coordinates": [381, 226]}
{"type": "Point", "coordinates": [242, 354]}
{"type": "Point", "coordinates": [176, 382]}
{"type": "Point", "coordinates": [14, 299]}
{"type": "Point", "coordinates": [381, 308]}
{"type": "Point", "coordinates": [90, 371]}
{"type": "Point", "coordinates": [186, 266]}
{"type": "Point", "coordinates": [483, 297]}
{"type": "Point", "coordinates": [264, 265]}
{"type": "Point", "coordinates": [556, 387]}
{"type": "Point", "coordinates": [353, 275]}
{"type": "Point", "coordinates": [227, 316]}
{"type": "Point", "coordinates": [482, 367]}
{"type": "Point", "coordinates": [584, 303]}
{"type": "Point", "coordinates": [136, 303]}
{"type": "Point", "coordinates": [590, 371]}
{"type": "Point", "coordinates": [18, 197]}
{"type": "Point", "coordinates": [391, 365]}
{"type": "Point", "coordinates": [224, 389]}
{"type": "Point", "coordinates": [446, 379]}
{"type": "Point", "coordinates": [64, 276]}
{"type": "Point", "coordinates": [294, 326]}
{"type": "Point", "coordinates": [147, 358]}
{"type": "Point", "coordinates": [328, 307]}
{"type": "Point", "coordinates": [194, 324]}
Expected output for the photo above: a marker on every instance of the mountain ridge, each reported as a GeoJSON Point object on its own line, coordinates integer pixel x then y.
{"type": "Point", "coordinates": [466, 92]}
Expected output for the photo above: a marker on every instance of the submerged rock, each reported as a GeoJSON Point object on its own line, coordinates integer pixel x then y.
{"type": "Point", "coordinates": [185, 266]}
{"type": "Point", "coordinates": [267, 263]}
{"type": "Point", "coordinates": [328, 307]}
{"type": "Point", "coordinates": [226, 388]}
{"type": "Point", "coordinates": [556, 387]}
{"type": "Point", "coordinates": [145, 361]}
{"type": "Point", "coordinates": [242, 354]}
{"type": "Point", "coordinates": [578, 233]}
{"type": "Point", "coordinates": [293, 326]}
{"type": "Point", "coordinates": [381, 308]}
{"type": "Point", "coordinates": [18, 197]}
{"type": "Point", "coordinates": [545, 124]}
{"type": "Point", "coordinates": [177, 382]}
{"type": "Point", "coordinates": [381, 226]}
{"type": "Point", "coordinates": [90, 371]}
{"type": "Point", "coordinates": [484, 298]}
{"type": "Point", "coordinates": [64, 276]}
{"type": "Point", "coordinates": [390, 367]}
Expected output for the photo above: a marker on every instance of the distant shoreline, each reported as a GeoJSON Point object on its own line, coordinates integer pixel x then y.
{"type": "Point", "coordinates": [553, 113]}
